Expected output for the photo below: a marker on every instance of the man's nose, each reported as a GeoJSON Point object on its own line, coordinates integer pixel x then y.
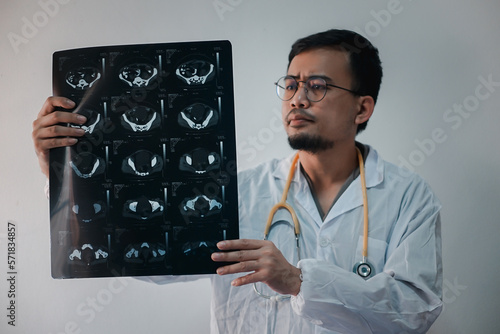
{"type": "Point", "coordinates": [299, 99]}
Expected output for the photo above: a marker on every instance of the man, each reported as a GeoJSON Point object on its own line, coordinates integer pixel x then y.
{"type": "Point", "coordinates": [328, 94]}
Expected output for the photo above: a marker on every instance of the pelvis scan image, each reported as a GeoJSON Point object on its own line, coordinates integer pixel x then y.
{"type": "Point", "coordinates": [150, 188]}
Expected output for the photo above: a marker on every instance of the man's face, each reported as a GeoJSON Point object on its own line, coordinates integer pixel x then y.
{"type": "Point", "coordinates": [316, 126]}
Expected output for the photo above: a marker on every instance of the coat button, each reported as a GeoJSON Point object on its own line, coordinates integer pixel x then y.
{"type": "Point", "coordinates": [323, 242]}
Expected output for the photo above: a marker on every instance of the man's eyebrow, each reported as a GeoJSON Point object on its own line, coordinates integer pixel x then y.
{"type": "Point", "coordinates": [321, 76]}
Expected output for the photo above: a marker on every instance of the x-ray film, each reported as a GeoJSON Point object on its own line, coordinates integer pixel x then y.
{"type": "Point", "coordinates": [151, 187]}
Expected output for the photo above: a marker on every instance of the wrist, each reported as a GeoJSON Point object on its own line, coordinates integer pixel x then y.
{"type": "Point", "coordinates": [298, 279]}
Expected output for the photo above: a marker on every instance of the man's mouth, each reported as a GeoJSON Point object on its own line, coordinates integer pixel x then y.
{"type": "Point", "coordinates": [298, 117]}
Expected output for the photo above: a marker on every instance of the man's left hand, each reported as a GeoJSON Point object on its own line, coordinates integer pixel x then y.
{"type": "Point", "coordinates": [263, 260]}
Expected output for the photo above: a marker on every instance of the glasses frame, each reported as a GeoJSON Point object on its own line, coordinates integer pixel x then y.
{"type": "Point", "coordinates": [305, 88]}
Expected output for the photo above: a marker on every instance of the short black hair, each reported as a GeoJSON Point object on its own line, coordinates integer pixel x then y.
{"type": "Point", "coordinates": [364, 59]}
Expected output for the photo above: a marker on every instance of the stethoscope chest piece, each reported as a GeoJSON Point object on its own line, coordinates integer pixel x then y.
{"type": "Point", "coordinates": [363, 269]}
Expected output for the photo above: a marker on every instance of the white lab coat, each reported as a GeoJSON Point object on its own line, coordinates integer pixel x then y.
{"type": "Point", "coordinates": [404, 247]}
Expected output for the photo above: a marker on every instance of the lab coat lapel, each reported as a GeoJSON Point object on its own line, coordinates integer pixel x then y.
{"type": "Point", "coordinates": [299, 196]}
{"type": "Point", "coordinates": [352, 196]}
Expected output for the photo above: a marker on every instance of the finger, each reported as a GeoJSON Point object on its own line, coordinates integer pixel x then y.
{"type": "Point", "coordinates": [55, 136]}
{"type": "Point", "coordinates": [53, 102]}
{"type": "Point", "coordinates": [241, 244]}
{"type": "Point", "coordinates": [240, 267]}
{"type": "Point", "coordinates": [236, 256]}
{"type": "Point", "coordinates": [58, 131]}
{"type": "Point", "coordinates": [47, 144]}
{"type": "Point", "coordinates": [254, 277]}
{"type": "Point", "coordinates": [58, 117]}
{"type": "Point", "coordinates": [249, 278]}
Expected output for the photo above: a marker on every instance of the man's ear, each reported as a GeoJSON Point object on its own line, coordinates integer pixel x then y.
{"type": "Point", "coordinates": [365, 111]}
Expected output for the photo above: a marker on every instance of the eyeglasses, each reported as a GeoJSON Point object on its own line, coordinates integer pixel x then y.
{"type": "Point", "coordinates": [315, 88]}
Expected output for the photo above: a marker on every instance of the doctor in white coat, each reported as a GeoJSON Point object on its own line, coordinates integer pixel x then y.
{"type": "Point", "coordinates": [337, 278]}
{"type": "Point", "coordinates": [329, 94]}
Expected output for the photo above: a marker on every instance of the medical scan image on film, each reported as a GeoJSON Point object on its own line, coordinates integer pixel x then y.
{"type": "Point", "coordinates": [151, 187]}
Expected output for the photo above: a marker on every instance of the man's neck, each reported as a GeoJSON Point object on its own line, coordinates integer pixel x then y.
{"type": "Point", "coordinates": [328, 170]}
{"type": "Point", "coordinates": [330, 166]}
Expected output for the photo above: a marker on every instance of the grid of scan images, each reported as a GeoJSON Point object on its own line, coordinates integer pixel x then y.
{"type": "Point", "coordinates": [151, 187]}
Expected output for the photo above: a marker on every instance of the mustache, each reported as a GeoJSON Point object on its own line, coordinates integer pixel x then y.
{"type": "Point", "coordinates": [302, 112]}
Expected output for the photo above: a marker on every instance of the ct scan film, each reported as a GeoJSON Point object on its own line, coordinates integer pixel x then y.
{"type": "Point", "coordinates": [151, 187]}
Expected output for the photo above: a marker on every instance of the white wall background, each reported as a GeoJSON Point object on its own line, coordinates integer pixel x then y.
{"type": "Point", "coordinates": [436, 56]}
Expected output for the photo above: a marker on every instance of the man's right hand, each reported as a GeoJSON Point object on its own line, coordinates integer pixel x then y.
{"type": "Point", "coordinates": [49, 130]}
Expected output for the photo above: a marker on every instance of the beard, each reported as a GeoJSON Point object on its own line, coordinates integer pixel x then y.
{"type": "Point", "coordinates": [309, 143]}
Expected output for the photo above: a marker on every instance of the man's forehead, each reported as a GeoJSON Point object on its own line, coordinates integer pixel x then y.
{"type": "Point", "coordinates": [319, 62]}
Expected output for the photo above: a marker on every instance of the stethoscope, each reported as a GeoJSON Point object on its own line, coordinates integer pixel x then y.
{"type": "Point", "coordinates": [363, 268]}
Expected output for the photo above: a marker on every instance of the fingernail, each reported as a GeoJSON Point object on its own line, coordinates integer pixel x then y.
{"type": "Point", "coordinates": [220, 271]}
{"type": "Point", "coordinates": [215, 256]}
{"type": "Point", "coordinates": [70, 103]}
{"type": "Point", "coordinates": [72, 141]}
{"type": "Point", "coordinates": [81, 118]}
{"type": "Point", "coordinates": [221, 244]}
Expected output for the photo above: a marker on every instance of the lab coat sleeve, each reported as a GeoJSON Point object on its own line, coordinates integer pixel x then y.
{"type": "Point", "coordinates": [404, 298]}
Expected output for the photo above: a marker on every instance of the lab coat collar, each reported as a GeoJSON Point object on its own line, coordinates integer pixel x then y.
{"type": "Point", "coordinates": [374, 168]}
{"type": "Point", "coordinates": [351, 198]}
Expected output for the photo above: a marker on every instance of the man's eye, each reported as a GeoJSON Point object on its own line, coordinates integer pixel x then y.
{"type": "Point", "coordinates": [317, 87]}
{"type": "Point", "coordinates": [316, 84]}
{"type": "Point", "coordinates": [290, 84]}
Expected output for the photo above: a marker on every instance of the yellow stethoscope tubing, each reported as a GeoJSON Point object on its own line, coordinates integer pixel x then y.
{"type": "Point", "coordinates": [284, 205]}
{"type": "Point", "coordinates": [365, 204]}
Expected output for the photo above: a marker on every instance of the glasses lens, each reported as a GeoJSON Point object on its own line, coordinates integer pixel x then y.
{"type": "Point", "coordinates": [286, 88]}
{"type": "Point", "coordinates": [316, 89]}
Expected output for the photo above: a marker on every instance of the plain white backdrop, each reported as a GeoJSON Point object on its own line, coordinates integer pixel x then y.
{"type": "Point", "coordinates": [437, 114]}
